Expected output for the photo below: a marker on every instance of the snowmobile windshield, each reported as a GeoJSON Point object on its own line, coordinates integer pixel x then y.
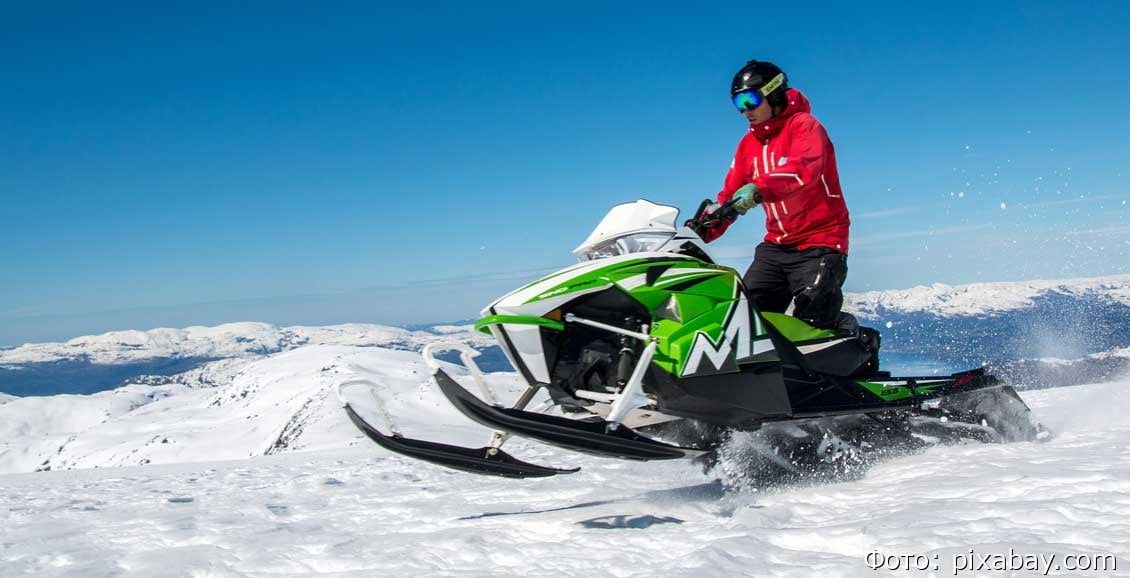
{"type": "Point", "coordinates": [630, 228]}
{"type": "Point", "coordinates": [637, 243]}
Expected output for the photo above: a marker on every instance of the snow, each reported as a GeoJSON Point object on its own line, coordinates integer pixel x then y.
{"type": "Point", "coordinates": [222, 341]}
{"type": "Point", "coordinates": [983, 298]}
{"type": "Point", "coordinates": [227, 409]}
{"type": "Point", "coordinates": [453, 329]}
{"type": "Point", "coordinates": [332, 503]}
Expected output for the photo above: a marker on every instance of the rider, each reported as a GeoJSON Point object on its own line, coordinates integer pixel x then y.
{"type": "Point", "coordinates": [787, 164]}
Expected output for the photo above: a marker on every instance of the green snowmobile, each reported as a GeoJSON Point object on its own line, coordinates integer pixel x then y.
{"type": "Point", "coordinates": [650, 350]}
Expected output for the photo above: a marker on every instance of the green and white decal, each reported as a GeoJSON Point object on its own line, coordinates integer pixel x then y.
{"type": "Point", "coordinates": [704, 322]}
{"type": "Point", "coordinates": [726, 350]}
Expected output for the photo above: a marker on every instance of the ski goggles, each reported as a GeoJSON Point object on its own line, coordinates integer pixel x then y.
{"type": "Point", "coordinates": [753, 97]}
{"type": "Point", "coordinates": [747, 100]}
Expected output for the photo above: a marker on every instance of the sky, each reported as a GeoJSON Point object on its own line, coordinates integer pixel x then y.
{"type": "Point", "coordinates": [194, 163]}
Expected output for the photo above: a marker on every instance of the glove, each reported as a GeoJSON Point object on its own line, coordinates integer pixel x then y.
{"type": "Point", "coordinates": [746, 198]}
{"type": "Point", "coordinates": [708, 234]}
{"type": "Point", "coordinates": [709, 228]}
{"type": "Point", "coordinates": [704, 221]}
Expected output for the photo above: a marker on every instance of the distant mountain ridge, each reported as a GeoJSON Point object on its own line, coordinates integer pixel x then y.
{"type": "Point", "coordinates": [981, 299]}
{"type": "Point", "coordinates": [992, 324]}
{"type": "Point", "coordinates": [222, 341]}
{"type": "Point", "coordinates": [98, 362]}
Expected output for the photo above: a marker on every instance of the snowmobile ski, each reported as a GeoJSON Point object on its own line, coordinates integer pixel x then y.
{"type": "Point", "coordinates": [591, 436]}
{"type": "Point", "coordinates": [484, 460]}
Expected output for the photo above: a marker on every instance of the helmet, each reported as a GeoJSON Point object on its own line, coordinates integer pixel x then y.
{"type": "Point", "coordinates": [761, 76]}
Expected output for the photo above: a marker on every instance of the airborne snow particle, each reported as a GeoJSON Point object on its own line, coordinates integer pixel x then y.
{"type": "Point", "coordinates": [890, 324]}
{"type": "Point", "coordinates": [961, 194]}
{"type": "Point", "coordinates": [1003, 206]}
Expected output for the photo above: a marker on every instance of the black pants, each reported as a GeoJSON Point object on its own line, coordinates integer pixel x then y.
{"type": "Point", "coordinates": [812, 277]}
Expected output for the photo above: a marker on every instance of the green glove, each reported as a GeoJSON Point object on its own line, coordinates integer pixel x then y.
{"type": "Point", "coordinates": [746, 198]}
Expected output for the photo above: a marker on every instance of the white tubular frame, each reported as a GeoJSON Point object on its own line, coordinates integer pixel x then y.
{"type": "Point", "coordinates": [385, 415]}
{"type": "Point", "coordinates": [467, 355]}
{"type": "Point", "coordinates": [570, 318]}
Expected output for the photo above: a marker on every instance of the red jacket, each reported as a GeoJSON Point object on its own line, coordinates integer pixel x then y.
{"type": "Point", "coordinates": [793, 164]}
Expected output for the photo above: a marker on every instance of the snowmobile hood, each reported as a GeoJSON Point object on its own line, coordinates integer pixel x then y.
{"type": "Point", "coordinates": [517, 319]}
{"type": "Point", "coordinates": [558, 288]}
{"type": "Point", "coordinates": [798, 103]}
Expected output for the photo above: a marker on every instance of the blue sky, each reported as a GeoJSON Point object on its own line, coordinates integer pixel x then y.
{"type": "Point", "coordinates": [169, 164]}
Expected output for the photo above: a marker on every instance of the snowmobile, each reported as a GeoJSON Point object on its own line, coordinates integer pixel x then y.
{"type": "Point", "coordinates": [650, 350]}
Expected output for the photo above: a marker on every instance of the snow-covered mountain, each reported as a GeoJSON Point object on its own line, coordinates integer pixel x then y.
{"type": "Point", "coordinates": [984, 299]}
{"type": "Point", "coordinates": [961, 326]}
{"type": "Point", "coordinates": [223, 341]}
{"type": "Point", "coordinates": [998, 323]}
{"type": "Point", "coordinates": [227, 409]}
{"type": "Point", "coordinates": [94, 363]}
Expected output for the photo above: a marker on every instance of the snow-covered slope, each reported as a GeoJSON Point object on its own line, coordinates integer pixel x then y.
{"type": "Point", "coordinates": [363, 512]}
{"type": "Point", "coordinates": [980, 299]}
{"type": "Point", "coordinates": [227, 409]}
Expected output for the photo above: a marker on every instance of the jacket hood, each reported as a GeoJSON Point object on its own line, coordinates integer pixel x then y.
{"type": "Point", "coordinates": [798, 103]}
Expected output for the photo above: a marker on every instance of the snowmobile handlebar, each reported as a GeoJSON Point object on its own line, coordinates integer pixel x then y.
{"type": "Point", "coordinates": [703, 220]}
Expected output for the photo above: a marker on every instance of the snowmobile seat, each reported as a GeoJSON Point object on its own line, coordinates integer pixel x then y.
{"type": "Point", "coordinates": [849, 351]}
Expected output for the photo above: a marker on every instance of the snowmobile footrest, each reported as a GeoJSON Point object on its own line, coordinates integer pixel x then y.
{"type": "Point", "coordinates": [591, 437]}
{"type": "Point", "coordinates": [483, 460]}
